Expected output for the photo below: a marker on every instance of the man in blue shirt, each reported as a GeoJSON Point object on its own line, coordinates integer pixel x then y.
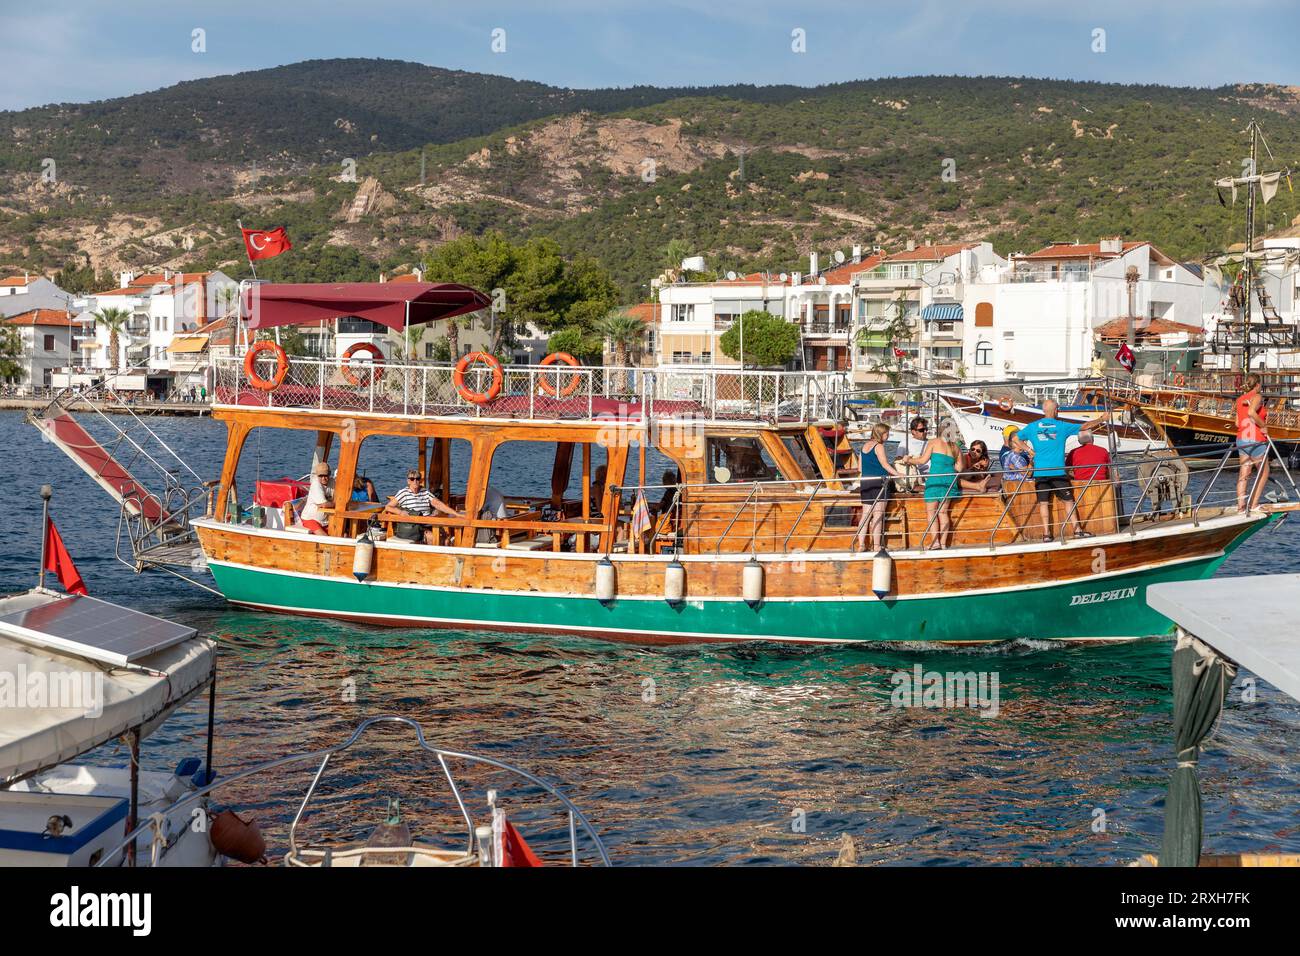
{"type": "Point", "coordinates": [1045, 440]}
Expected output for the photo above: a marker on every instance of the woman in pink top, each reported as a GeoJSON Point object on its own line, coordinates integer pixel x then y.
{"type": "Point", "coordinates": [1252, 442]}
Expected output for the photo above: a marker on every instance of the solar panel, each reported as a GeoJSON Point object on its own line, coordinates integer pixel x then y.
{"type": "Point", "coordinates": [95, 629]}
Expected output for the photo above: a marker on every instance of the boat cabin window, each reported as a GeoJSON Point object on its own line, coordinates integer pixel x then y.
{"type": "Point", "coordinates": [385, 459]}
{"type": "Point", "coordinates": [740, 459]}
{"type": "Point", "coordinates": [543, 479]}
{"type": "Point", "coordinates": [797, 446]}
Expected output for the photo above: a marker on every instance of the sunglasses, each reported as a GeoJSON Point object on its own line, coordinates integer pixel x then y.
{"type": "Point", "coordinates": [412, 477]}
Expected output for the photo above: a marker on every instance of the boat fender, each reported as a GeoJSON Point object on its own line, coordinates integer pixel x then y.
{"type": "Point", "coordinates": [281, 365]}
{"type": "Point", "coordinates": [574, 380]}
{"type": "Point", "coordinates": [363, 558]}
{"type": "Point", "coordinates": [376, 364]}
{"type": "Point", "coordinates": [237, 838]}
{"type": "Point", "coordinates": [606, 581]}
{"type": "Point", "coordinates": [752, 583]}
{"type": "Point", "coordinates": [674, 582]}
{"type": "Point", "coordinates": [882, 573]}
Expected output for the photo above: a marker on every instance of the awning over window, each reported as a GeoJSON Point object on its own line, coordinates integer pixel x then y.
{"type": "Point", "coordinates": [188, 343]}
{"type": "Point", "coordinates": [874, 340]}
{"type": "Point", "coordinates": [942, 312]}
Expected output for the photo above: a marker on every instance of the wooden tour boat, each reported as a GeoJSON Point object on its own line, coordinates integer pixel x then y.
{"type": "Point", "coordinates": [751, 541]}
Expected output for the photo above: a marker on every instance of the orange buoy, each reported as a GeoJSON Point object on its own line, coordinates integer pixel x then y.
{"type": "Point", "coordinates": [575, 380]}
{"type": "Point", "coordinates": [281, 365]}
{"type": "Point", "coordinates": [237, 838]}
{"type": "Point", "coordinates": [467, 393]}
{"type": "Point", "coordinates": [377, 361]}
{"type": "Point", "coordinates": [1005, 404]}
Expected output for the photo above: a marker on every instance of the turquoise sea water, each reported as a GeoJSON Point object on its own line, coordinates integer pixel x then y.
{"type": "Point", "coordinates": [712, 755]}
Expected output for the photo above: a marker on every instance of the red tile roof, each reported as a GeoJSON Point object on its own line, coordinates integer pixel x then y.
{"type": "Point", "coordinates": [930, 253]}
{"type": "Point", "coordinates": [19, 280]}
{"type": "Point", "coordinates": [1117, 329]}
{"type": "Point", "coordinates": [145, 283]}
{"type": "Point", "coordinates": [405, 277]}
{"type": "Point", "coordinates": [44, 317]}
{"type": "Point", "coordinates": [842, 275]}
{"type": "Point", "coordinates": [647, 312]}
{"type": "Point", "coordinates": [1081, 250]}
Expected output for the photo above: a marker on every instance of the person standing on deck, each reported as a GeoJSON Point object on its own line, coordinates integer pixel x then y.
{"type": "Point", "coordinates": [918, 435]}
{"type": "Point", "coordinates": [1252, 442]}
{"type": "Point", "coordinates": [875, 487]}
{"type": "Point", "coordinates": [1047, 438]}
{"type": "Point", "coordinates": [941, 487]}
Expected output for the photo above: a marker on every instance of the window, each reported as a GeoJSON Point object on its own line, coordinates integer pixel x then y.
{"type": "Point", "coordinates": [49, 343]}
{"type": "Point", "coordinates": [683, 313]}
{"type": "Point", "coordinates": [797, 446]}
{"type": "Point", "coordinates": [706, 358]}
{"type": "Point", "coordinates": [984, 315]}
{"type": "Point", "coordinates": [740, 459]}
{"type": "Point", "coordinates": [351, 325]}
{"type": "Point", "coordinates": [983, 354]}
{"type": "Point", "coordinates": [428, 351]}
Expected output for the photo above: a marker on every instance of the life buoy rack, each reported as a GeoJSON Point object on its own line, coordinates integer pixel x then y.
{"type": "Point", "coordinates": [467, 393]}
{"type": "Point", "coordinates": [574, 380]}
{"type": "Point", "coordinates": [281, 365]}
{"type": "Point", "coordinates": [377, 363]}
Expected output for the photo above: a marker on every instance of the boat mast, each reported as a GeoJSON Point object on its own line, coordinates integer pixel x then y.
{"type": "Point", "coordinates": [1250, 244]}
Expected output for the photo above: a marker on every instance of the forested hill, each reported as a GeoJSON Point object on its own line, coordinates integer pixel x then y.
{"type": "Point", "coordinates": [751, 177]}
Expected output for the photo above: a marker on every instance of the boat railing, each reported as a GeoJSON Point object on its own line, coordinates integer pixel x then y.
{"type": "Point", "coordinates": [154, 828]}
{"type": "Point", "coordinates": [549, 392]}
{"type": "Point", "coordinates": [1130, 492]}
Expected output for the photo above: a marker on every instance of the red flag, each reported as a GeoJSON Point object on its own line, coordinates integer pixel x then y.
{"type": "Point", "coordinates": [899, 353]}
{"type": "Point", "coordinates": [266, 243]}
{"type": "Point", "coordinates": [514, 851]}
{"type": "Point", "coordinates": [1125, 357]}
{"type": "Point", "coordinates": [58, 561]}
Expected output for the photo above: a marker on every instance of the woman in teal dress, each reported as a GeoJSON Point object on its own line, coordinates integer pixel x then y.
{"type": "Point", "coordinates": [941, 487]}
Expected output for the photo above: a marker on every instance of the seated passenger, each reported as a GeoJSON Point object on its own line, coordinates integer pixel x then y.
{"type": "Point", "coordinates": [977, 478]}
{"type": "Point", "coordinates": [311, 518]}
{"type": "Point", "coordinates": [596, 493]}
{"type": "Point", "coordinates": [415, 499]}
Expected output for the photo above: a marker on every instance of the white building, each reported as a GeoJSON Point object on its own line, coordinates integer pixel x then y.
{"type": "Point", "coordinates": [1036, 318]}
{"type": "Point", "coordinates": [162, 305]}
{"type": "Point", "coordinates": [47, 343]}
{"type": "Point", "coordinates": [26, 292]}
{"type": "Point", "coordinates": [1277, 271]}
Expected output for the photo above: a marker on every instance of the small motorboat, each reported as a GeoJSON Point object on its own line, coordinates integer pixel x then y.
{"type": "Point", "coordinates": [491, 840]}
{"type": "Point", "coordinates": [79, 674]}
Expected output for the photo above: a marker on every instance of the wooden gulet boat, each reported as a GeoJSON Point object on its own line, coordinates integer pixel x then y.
{"type": "Point", "coordinates": [754, 539]}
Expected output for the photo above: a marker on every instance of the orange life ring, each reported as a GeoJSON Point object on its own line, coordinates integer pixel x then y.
{"type": "Point", "coordinates": [1005, 404]}
{"type": "Point", "coordinates": [377, 363]}
{"type": "Point", "coordinates": [1179, 380]}
{"type": "Point", "coordinates": [281, 365]}
{"type": "Point", "coordinates": [575, 380]}
{"type": "Point", "coordinates": [458, 378]}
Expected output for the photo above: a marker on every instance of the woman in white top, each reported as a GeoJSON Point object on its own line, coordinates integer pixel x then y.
{"type": "Point", "coordinates": [316, 497]}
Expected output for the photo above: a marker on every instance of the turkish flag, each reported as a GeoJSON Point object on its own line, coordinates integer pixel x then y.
{"type": "Point", "coordinates": [266, 243]}
{"type": "Point", "coordinates": [58, 561]}
{"type": "Point", "coordinates": [514, 851]}
{"type": "Point", "coordinates": [1125, 357]}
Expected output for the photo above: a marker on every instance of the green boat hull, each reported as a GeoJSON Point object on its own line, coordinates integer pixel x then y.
{"type": "Point", "coordinates": [1107, 607]}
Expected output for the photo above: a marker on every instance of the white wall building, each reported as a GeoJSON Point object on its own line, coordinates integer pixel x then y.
{"type": "Point", "coordinates": [1036, 317]}
{"type": "Point", "coordinates": [162, 305]}
{"type": "Point", "coordinates": [26, 292]}
{"type": "Point", "coordinates": [47, 342]}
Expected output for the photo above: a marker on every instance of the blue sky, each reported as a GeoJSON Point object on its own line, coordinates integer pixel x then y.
{"type": "Point", "coordinates": [76, 51]}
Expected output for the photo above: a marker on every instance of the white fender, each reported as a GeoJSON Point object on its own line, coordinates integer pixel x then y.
{"type": "Point", "coordinates": [363, 558]}
{"type": "Point", "coordinates": [882, 573]}
{"type": "Point", "coordinates": [606, 581]}
{"type": "Point", "coordinates": [752, 582]}
{"type": "Point", "coordinates": [674, 582]}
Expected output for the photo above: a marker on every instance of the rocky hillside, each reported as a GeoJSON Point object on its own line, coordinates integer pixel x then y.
{"type": "Point", "coordinates": [370, 163]}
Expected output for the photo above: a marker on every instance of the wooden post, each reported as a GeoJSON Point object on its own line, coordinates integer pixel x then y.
{"type": "Point", "coordinates": [423, 445]}
{"type": "Point", "coordinates": [480, 467]}
{"type": "Point", "coordinates": [560, 471]}
{"type": "Point", "coordinates": [236, 433]}
{"type": "Point", "coordinates": [343, 479]}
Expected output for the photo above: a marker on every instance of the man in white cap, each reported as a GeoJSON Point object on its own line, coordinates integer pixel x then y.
{"type": "Point", "coordinates": [312, 519]}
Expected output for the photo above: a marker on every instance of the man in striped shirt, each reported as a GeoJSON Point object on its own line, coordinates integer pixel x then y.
{"type": "Point", "coordinates": [415, 499]}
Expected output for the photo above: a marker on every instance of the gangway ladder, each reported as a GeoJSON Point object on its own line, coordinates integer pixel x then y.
{"type": "Point", "coordinates": [156, 525]}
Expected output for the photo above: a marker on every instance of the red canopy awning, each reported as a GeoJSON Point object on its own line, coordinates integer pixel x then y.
{"type": "Point", "coordinates": [271, 304]}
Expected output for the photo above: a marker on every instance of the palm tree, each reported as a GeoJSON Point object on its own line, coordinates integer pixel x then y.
{"type": "Point", "coordinates": [453, 337]}
{"type": "Point", "coordinates": [412, 336]}
{"type": "Point", "coordinates": [115, 319]}
{"type": "Point", "coordinates": [625, 334]}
